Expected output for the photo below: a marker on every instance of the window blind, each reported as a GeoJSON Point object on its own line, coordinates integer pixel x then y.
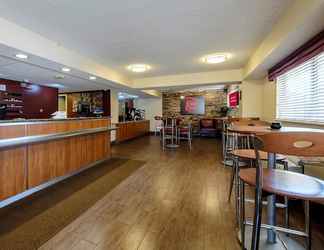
{"type": "Point", "coordinates": [300, 92]}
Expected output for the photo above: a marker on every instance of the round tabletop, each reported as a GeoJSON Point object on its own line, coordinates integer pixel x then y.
{"type": "Point", "coordinates": [246, 129]}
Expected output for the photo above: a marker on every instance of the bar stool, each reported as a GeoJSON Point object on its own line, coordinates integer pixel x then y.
{"type": "Point", "coordinates": [232, 141]}
{"type": "Point", "coordinates": [284, 183]}
{"type": "Point", "coordinates": [249, 154]}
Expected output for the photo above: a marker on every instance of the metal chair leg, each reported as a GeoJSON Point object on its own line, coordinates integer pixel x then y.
{"type": "Point", "coordinates": [231, 183]}
{"type": "Point", "coordinates": [257, 219]}
{"type": "Point", "coordinates": [237, 190]}
{"type": "Point", "coordinates": [308, 225]}
{"type": "Point", "coordinates": [302, 165]}
{"type": "Point", "coordinates": [286, 213]}
{"type": "Point", "coordinates": [285, 163]}
{"type": "Point", "coordinates": [242, 219]}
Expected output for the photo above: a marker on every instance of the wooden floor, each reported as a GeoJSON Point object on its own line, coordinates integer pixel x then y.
{"type": "Point", "coordinates": [177, 200]}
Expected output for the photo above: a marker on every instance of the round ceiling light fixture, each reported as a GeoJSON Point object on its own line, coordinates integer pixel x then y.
{"type": "Point", "coordinates": [65, 69]}
{"type": "Point", "coordinates": [215, 58]}
{"type": "Point", "coordinates": [138, 68]}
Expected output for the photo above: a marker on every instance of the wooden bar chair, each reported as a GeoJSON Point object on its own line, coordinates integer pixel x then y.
{"type": "Point", "coordinates": [284, 183]}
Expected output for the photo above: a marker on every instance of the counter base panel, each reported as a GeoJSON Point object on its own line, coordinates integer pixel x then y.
{"type": "Point", "coordinates": [33, 190]}
{"type": "Point", "coordinates": [30, 165]}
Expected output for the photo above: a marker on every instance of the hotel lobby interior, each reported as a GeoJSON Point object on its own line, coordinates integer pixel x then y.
{"type": "Point", "coordinates": [162, 125]}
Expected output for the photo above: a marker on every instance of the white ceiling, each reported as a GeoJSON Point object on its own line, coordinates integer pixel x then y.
{"type": "Point", "coordinates": [169, 35]}
{"type": "Point", "coordinates": [41, 71]}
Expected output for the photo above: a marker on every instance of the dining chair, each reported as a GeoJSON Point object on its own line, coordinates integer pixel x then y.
{"type": "Point", "coordinates": [185, 133]}
{"type": "Point", "coordinates": [284, 183]}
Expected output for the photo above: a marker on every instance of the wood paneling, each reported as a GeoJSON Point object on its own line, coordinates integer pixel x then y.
{"type": "Point", "coordinates": [130, 130]}
{"type": "Point", "coordinates": [58, 158]}
{"type": "Point", "coordinates": [12, 172]}
{"type": "Point", "coordinates": [12, 131]}
{"type": "Point", "coordinates": [31, 165]}
{"type": "Point", "coordinates": [12, 163]}
{"type": "Point", "coordinates": [65, 126]}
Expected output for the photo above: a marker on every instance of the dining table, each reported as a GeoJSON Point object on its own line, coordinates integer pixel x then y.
{"type": "Point", "coordinates": [254, 129]}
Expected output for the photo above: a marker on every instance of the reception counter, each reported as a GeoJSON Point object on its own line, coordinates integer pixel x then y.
{"type": "Point", "coordinates": [34, 153]}
{"type": "Point", "coordinates": [132, 129]}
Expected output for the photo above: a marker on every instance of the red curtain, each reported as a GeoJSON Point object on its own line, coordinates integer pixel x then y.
{"type": "Point", "coordinates": [310, 49]}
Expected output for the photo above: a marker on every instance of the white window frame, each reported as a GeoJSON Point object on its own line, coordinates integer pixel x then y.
{"type": "Point", "coordinates": [315, 87]}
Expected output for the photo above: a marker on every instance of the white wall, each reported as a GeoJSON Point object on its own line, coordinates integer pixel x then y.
{"type": "Point", "coordinates": [251, 98]}
{"type": "Point", "coordinates": [114, 110]}
{"type": "Point", "coordinates": [269, 101]}
{"type": "Point", "coordinates": [152, 107]}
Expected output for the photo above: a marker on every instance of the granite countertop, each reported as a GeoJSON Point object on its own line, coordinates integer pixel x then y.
{"type": "Point", "coordinates": [132, 121]}
{"type": "Point", "coordinates": [50, 119]}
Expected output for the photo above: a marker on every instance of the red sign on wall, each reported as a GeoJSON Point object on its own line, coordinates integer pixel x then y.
{"type": "Point", "coordinates": [233, 99]}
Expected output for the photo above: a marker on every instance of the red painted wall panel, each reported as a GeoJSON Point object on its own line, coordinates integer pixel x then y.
{"type": "Point", "coordinates": [38, 101]}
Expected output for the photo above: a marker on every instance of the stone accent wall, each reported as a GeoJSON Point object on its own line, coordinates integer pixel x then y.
{"type": "Point", "coordinates": [214, 100]}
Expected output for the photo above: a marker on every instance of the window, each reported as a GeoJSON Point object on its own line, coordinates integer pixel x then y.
{"type": "Point", "coordinates": [300, 92]}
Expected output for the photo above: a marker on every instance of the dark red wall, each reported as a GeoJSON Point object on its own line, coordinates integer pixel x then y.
{"type": "Point", "coordinates": [38, 101]}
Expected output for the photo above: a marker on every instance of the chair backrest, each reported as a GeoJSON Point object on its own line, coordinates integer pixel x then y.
{"type": "Point", "coordinates": [167, 121]}
{"type": "Point", "coordinates": [308, 144]}
{"type": "Point", "coordinates": [207, 123]}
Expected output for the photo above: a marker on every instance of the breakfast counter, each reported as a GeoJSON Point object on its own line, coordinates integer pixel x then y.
{"type": "Point", "coordinates": [34, 153]}
{"type": "Point", "coordinates": [132, 129]}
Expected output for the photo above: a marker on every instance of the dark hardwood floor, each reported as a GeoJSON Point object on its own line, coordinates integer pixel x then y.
{"type": "Point", "coordinates": [177, 200]}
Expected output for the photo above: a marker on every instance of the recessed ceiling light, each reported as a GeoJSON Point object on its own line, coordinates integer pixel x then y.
{"type": "Point", "coordinates": [215, 58]}
{"type": "Point", "coordinates": [21, 56]}
{"type": "Point", "coordinates": [92, 78]}
{"type": "Point", "coordinates": [64, 69]}
{"type": "Point", "coordinates": [56, 85]}
{"type": "Point", "coordinates": [139, 68]}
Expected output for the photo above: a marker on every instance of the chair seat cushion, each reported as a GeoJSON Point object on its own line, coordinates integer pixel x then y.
{"type": "Point", "coordinates": [286, 183]}
{"type": "Point", "coordinates": [167, 130]}
{"type": "Point", "coordinates": [206, 123]}
{"type": "Point", "coordinates": [250, 154]}
{"type": "Point", "coordinates": [184, 130]}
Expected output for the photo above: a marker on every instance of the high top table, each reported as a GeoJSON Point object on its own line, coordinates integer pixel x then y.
{"type": "Point", "coordinates": [257, 130]}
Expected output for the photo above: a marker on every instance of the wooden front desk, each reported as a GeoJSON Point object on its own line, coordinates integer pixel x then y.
{"type": "Point", "coordinates": [47, 149]}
